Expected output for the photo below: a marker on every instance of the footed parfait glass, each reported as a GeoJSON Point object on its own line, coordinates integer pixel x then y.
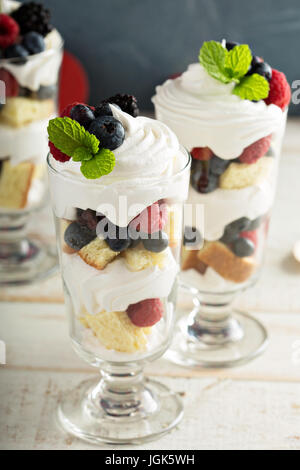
{"type": "Point", "coordinates": [120, 283]}
{"type": "Point", "coordinates": [28, 99]}
{"type": "Point", "coordinates": [223, 255]}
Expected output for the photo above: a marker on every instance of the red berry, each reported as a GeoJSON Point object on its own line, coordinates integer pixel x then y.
{"type": "Point", "coordinates": [280, 90]}
{"type": "Point", "coordinates": [202, 153]}
{"type": "Point", "coordinates": [146, 313]}
{"type": "Point", "coordinates": [151, 220]}
{"type": "Point", "coordinates": [174, 76]}
{"type": "Point", "coordinates": [57, 154]}
{"type": "Point", "coordinates": [253, 236]}
{"type": "Point", "coordinates": [256, 150]}
{"type": "Point", "coordinates": [9, 31]}
{"type": "Point", "coordinates": [11, 84]}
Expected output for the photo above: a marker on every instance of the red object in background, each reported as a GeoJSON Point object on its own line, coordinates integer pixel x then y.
{"type": "Point", "coordinates": [74, 84]}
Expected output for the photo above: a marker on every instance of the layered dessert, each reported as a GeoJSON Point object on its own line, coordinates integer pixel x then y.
{"type": "Point", "coordinates": [117, 183]}
{"type": "Point", "coordinates": [229, 110]}
{"type": "Point", "coordinates": [30, 59]}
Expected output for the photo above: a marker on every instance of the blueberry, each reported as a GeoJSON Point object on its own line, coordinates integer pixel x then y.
{"type": "Point", "coordinates": [203, 183]}
{"type": "Point", "coordinates": [46, 92]}
{"type": "Point", "coordinates": [217, 165]}
{"type": "Point", "coordinates": [103, 110]}
{"type": "Point", "coordinates": [233, 230]}
{"type": "Point", "coordinates": [254, 224]}
{"type": "Point", "coordinates": [270, 152]}
{"type": "Point", "coordinates": [18, 53]}
{"type": "Point", "coordinates": [109, 131]}
{"type": "Point", "coordinates": [77, 236]}
{"type": "Point", "coordinates": [34, 42]}
{"type": "Point", "coordinates": [156, 242]}
{"type": "Point", "coordinates": [231, 44]}
{"type": "Point", "coordinates": [82, 114]}
{"type": "Point", "coordinates": [25, 92]}
{"type": "Point", "coordinates": [192, 236]}
{"type": "Point", "coordinates": [89, 218]}
{"type": "Point", "coordinates": [263, 69]}
{"type": "Point", "coordinates": [243, 247]}
{"type": "Point", "coordinates": [121, 241]}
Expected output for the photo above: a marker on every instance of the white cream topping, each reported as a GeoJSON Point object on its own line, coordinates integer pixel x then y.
{"type": "Point", "coordinates": [210, 281]}
{"type": "Point", "coordinates": [116, 287]}
{"type": "Point", "coordinates": [28, 142]}
{"type": "Point", "coordinates": [203, 112]}
{"type": "Point", "coordinates": [149, 152]}
{"type": "Point", "coordinates": [40, 69]}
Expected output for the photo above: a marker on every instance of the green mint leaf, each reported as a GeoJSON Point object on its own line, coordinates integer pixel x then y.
{"type": "Point", "coordinates": [212, 57]}
{"type": "Point", "coordinates": [253, 87]}
{"type": "Point", "coordinates": [238, 61]}
{"type": "Point", "coordinates": [101, 164]}
{"type": "Point", "coordinates": [81, 154]}
{"type": "Point", "coordinates": [67, 135]}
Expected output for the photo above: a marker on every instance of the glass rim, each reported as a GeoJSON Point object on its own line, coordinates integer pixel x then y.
{"type": "Point", "coordinates": [158, 179]}
{"type": "Point", "coordinates": [14, 60]}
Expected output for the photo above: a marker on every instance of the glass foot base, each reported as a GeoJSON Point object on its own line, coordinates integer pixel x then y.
{"type": "Point", "coordinates": [195, 345]}
{"type": "Point", "coordinates": [87, 418]}
{"type": "Point", "coordinates": [31, 261]}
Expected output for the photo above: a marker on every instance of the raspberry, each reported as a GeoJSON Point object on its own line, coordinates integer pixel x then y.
{"type": "Point", "coordinates": [11, 84]}
{"type": "Point", "coordinates": [174, 76]}
{"type": "Point", "coordinates": [146, 313]}
{"type": "Point", "coordinates": [250, 236]}
{"type": "Point", "coordinates": [57, 154]}
{"type": "Point", "coordinates": [256, 150]}
{"type": "Point", "coordinates": [280, 90]}
{"type": "Point", "coordinates": [201, 153]}
{"type": "Point", "coordinates": [151, 220]}
{"type": "Point", "coordinates": [9, 31]}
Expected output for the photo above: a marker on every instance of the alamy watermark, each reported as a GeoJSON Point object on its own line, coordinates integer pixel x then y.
{"type": "Point", "coordinates": [296, 92]}
{"type": "Point", "coordinates": [2, 92]}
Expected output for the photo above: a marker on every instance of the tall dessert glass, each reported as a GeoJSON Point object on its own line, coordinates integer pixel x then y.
{"type": "Point", "coordinates": [29, 86]}
{"type": "Point", "coordinates": [119, 240]}
{"type": "Point", "coordinates": [235, 144]}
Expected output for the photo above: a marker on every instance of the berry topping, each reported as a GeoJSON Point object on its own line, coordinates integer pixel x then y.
{"type": "Point", "coordinates": [146, 313]}
{"type": "Point", "coordinates": [250, 235]}
{"type": "Point", "coordinates": [231, 44]}
{"type": "Point", "coordinates": [77, 236]}
{"type": "Point", "coordinates": [33, 16]}
{"type": "Point", "coordinates": [243, 247]}
{"type": "Point", "coordinates": [233, 230]}
{"type": "Point", "coordinates": [201, 153]}
{"type": "Point", "coordinates": [109, 131]}
{"type": "Point", "coordinates": [150, 220]}
{"type": "Point", "coordinates": [11, 84]}
{"type": "Point", "coordinates": [263, 69]}
{"type": "Point", "coordinates": [280, 90]}
{"type": "Point", "coordinates": [121, 241]}
{"type": "Point", "coordinates": [46, 92]}
{"type": "Point", "coordinates": [174, 76]}
{"type": "Point", "coordinates": [9, 31]}
{"type": "Point", "coordinates": [103, 110]}
{"type": "Point", "coordinates": [82, 114]}
{"type": "Point", "coordinates": [127, 103]}
{"type": "Point", "coordinates": [18, 53]}
{"type": "Point", "coordinates": [67, 111]}
{"type": "Point", "coordinates": [217, 165]}
{"type": "Point", "coordinates": [255, 224]}
{"type": "Point", "coordinates": [203, 181]}
{"type": "Point", "coordinates": [156, 242]}
{"type": "Point", "coordinates": [256, 150]}
{"type": "Point", "coordinates": [34, 42]}
{"type": "Point", "coordinates": [57, 154]}
{"type": "Point", "coordinates": [88, 217]}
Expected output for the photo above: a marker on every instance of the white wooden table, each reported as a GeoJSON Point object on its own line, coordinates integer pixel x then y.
{"type": "Point", "coordinates": [256, 406]}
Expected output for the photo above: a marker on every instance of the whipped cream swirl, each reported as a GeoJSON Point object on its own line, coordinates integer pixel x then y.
{"type": "Point", "coordinates": [203, 112]}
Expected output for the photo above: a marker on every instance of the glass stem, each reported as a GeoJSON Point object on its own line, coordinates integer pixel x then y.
{"type": "Point", "coordinates": [122, 392]}
{"type": "Point", "coordinates": [213, 324]}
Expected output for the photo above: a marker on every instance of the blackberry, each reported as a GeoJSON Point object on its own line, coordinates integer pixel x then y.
{"type": "Point", "coordinates": [33, 16]}
{"type": "Point", "coordinates": [127, 103]}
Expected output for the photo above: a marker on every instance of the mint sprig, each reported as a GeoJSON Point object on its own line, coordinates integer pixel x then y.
{"type": "Point", "coordinates": [75, 141]}
{"type": "Point", "coordinates": [232, 66]}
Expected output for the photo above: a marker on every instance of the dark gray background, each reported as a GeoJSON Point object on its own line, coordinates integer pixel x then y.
{"type": "Point", "coordinates": [133, 45]}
